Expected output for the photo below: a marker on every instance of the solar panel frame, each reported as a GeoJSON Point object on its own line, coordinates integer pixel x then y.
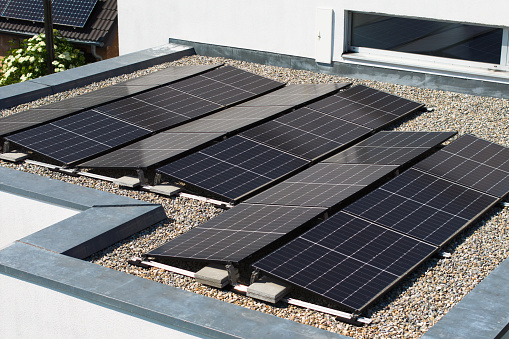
{"type": "Point", "coordinates": [307, 133]}
{"type": "Point", "coordinates": [327, 260]}
{"type": "Point", "coordinates": [72, 13]}
{"type": "Point", "coordinates": [354, 105]}
{"type": "Point", "coordinates": [234, 168]}
{"type": "Point", "coordinates": [472, 162]}
{"type": "Point", "coordinates": [391, 148]}
{"type": "Point", "coordinates": [239, 233]}
{"type": "Point", "coordinates": [423, 206]}
{"type": "Point", "coordinates": [78, 137]}
{"type": "Point", "coordinates": [325, 185]}
{"type": "Point", "coordinates": [152, 151]}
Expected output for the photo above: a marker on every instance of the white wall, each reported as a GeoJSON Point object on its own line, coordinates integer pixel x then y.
{"type": "Point", "coordinates": [31, 311]}
{"type": "Point", "coordinates": [279, 26]}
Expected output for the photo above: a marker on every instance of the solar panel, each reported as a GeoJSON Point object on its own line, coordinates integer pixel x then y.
{"type": "Point", "coordinates": [423, 206]}
{"type": "Point", "coordinates": [238, 233]}
{"type": "Point", "coordinates": [142, 114]}
{"type": "Point", "coordinates": [294, 95]}
{"type": "Point", "coordinates": [391, 148]}
{"type": "Point", "coordinates": [226, 85]}
{"type": "Point", "coordinates": [25, 10]}
{"type": "Point", "coordinates": [78, 137]}
{"type": "Point", "coordinates": [26, 119]}
{"type": "Point", "coordinates": [366, 106]}
{"type": "Point", "coordinates": [233, 168]}
{"type": "Point", "coordinates": [306, 133]}
{"type": "Point", "coordinates": [72, 13]}
{"type": "Point", "coordinates": [323, 185]}
{"type": "Point", "coordinates": [152, 150]}
{"type": "Point", "coordinates": [230, 119]}
{"type": "Point", "coordinates": [472, 162]}
{"type": "Point", "coordinates": [168, 75]}
{"type": "Point", "coordinates": [347, 260]}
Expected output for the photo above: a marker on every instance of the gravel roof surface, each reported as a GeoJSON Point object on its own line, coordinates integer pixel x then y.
{"type": "Point", "coordinates": [409, 309]}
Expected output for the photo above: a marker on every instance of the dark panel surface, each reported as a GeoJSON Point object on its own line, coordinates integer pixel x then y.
{"type": "Point", "coordinates": [324, 185]}
{"type": "Point", "coordinates": [142, 114]}
{"type": "Point", "coordinates": [25, 9]}
{"type": "Point", "coordinates": [29, 118]}
{"type": "Point", "coordinates": [72, 13]}
{"type": "Point", "coordinates": [78, 137]}
{"type": "Point", "coordinates": [293, 95]}
{"type": "Point", "coordinates": [238, 233]}
{"type": "Point", "coordinates": [230, 119]}
{"type": "Point", "coordinates": [472, 162]}
{"type": "Point", "coordinates": [346, 259]}
{"type": "Point", "coordinates": [226, 85]}
{"type": "Point", "coordinates": [422, 205]}
{"type": "Point", "coordinates": [152, 150]}
{"type": "Point", "coordinates": [306, 133]}
{"type": "Point", "coordinates": [234, 167]}
{"type": "Point", "coordinates": [391, 148]}
{"type": "Point", "coordinates": [366, 106]}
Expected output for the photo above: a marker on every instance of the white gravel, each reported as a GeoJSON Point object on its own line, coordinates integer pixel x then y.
{"type": "Point", "coordinates": [408, 310]}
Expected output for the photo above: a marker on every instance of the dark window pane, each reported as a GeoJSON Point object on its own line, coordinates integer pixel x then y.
{"type": "Point", "coordinates": [434, 38]}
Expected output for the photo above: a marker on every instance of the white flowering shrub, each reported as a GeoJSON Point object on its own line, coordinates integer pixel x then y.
{"type": "Point", "coordinates": [29, 60]}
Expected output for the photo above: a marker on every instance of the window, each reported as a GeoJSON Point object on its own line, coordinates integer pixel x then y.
{"type": "Point", "coordinates": [428, 40]}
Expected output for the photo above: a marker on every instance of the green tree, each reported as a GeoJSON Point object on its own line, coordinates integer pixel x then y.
{"type": "Point", "coordinates": [29, 60]}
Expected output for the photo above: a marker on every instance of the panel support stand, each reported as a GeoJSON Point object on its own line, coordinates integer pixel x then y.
{"type": "Point", "coordinates": [141, 176]}
{"type": "Point", "coordinates": [7, 147]}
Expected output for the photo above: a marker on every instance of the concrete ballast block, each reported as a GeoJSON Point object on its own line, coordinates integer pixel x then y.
{"type": "Point", "coordinates": [128, 182]}
{"type": "Point", "coordinates": [166, 190]}
{"type": "Point", "coordinates": [13, 156]}
{"type": "Point", "coordinates": [268, 289]}
{"type": "Point", "coordinates": [213, 275]}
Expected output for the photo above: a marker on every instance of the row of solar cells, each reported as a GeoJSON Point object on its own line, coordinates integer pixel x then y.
{"type": "Point", "coordinates": [242, 165]}
{"type": "Point", "coordinates": [106, 127]}
{"type": "Point", "coordinates": [356, 255]}
{"type": "Point", "coordinates": [246, 231]}
{"type": "Point", "coordinates": [70, 13]}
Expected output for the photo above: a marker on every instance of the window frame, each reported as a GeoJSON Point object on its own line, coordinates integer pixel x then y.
{"type": "Point", "coordinates": [421, 60]}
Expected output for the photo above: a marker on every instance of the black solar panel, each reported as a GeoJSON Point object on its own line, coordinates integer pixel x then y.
{"type": "Point", "coordinates": [32, 117]}
{"type": "Point", "coordinates": [306, 133]}
{"type": "Point", "coordinates": [226, 85]}
{"type": "Point", "coordinates": [238, 233]}
{"type": "Point", "coordinates": [78, 137]}
{"type": "Point", "coordinates": [233, 167]}
{"type": "Point", "coordinates": [422, 205]}
{"type": "Point", "coordinates": [322, 185]}
{"type": "Point", "coordinates": [25, 10]}
{"type": "Point", "coordinates": [347, 260]}
{"type": "Point", "coordinates": [70, 13]}
{"type": "Point", "coordinates": [294, 95]}
{"type": "Point", "coordinates": [168, 75]}
{"type": "Point", "coordinates": [366, 106]}
{"type": "Point", "coordinates": [472, 162]}
{"type": "Point", "coordinates": [142, 114]}
{"type": "Point", "coordinates": [391, 148]}
{"type": "Point", "coordinates": [152, 150]}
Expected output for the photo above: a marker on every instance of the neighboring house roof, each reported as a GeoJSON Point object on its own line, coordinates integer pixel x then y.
{"type": "Point", "coordinates": [96, 29]}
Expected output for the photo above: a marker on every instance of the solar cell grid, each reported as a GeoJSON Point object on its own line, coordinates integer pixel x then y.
{"type": "Point", "coordinates": [472, 162]}
{"type": "Point", "coordinates": [238, 233]}
{"type": "Point", "coordinates": [72, 13]}
{"type": "Point", "coordinates": [366, 106]}
{"type": "Point", "coordinates": [346, 259]}
{"type": "Point", "coordinates": [386, 148]}
{"type": "Point", "coordinates": [306, 133]}
{"type": "Point", "coordinates": [152, 150]}
{"type": "Point", "coordinates": [423, 206]}
{"type": "Point", "coordinates": [78, 137]}
{"type": "Point", "coordinates": [322, 185]}
{"type": "Point", "coordinates": [25, 10]}
{"type": "Point", "coordinates": [233, 167]}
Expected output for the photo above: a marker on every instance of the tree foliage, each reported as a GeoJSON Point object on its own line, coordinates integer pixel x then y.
{"type": "Point", "coordinates": [29, 60]}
